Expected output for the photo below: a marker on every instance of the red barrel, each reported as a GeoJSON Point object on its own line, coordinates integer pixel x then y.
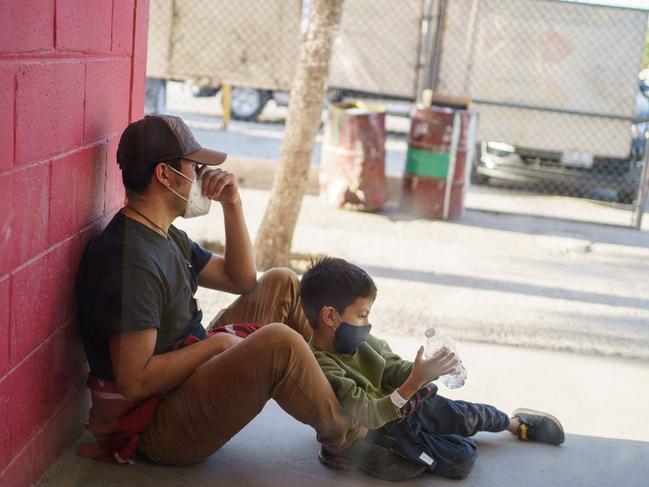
{"type": "Point", "coordinates": [429, 165]}
{"type": "Point", "coordinates": [352, 167]}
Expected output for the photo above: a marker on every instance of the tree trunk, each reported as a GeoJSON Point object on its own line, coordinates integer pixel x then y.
{"type": "Point", "coordinates": [273, 243]}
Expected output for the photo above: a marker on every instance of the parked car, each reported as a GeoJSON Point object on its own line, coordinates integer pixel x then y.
{"type": "Point", "coordinates": [641, 125]}
{"type": "Point", "coordinates": [554, 172]}
{"type": "Point", "coordinates": [571, 173]}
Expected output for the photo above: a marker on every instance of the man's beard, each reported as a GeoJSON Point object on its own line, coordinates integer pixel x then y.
{"type": "Point", "coordinates": [176, 205]}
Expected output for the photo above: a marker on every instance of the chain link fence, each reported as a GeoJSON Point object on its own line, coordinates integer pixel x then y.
{"type": "Point", "coordinates": [556, 86]}
{"type": "Point", "coordinates": [562, 110]}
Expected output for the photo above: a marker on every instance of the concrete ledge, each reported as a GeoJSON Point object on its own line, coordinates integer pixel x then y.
{"type": "Point", "coordinates": [259, 173]}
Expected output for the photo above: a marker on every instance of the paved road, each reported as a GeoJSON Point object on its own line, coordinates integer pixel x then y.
{"type": "Point", "coordinates": [524, 269]}
{"type": "Point", "coordinates": [262, 140]}
{"type": "Point", "coordinates": [487, 277]}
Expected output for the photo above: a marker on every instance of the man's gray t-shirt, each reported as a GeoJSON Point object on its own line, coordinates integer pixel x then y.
{"type": "Point", "coordinates": [132, 278]}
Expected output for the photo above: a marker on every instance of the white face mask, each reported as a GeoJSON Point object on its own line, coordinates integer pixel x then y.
{"type": "Point", "coordinates": [197, 204]}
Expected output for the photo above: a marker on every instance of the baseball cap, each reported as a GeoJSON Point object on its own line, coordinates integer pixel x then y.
{"type": "Point", "coordinates": [157, 138]}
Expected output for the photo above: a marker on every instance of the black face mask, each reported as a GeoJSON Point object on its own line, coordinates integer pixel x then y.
{"type": "Point", "coordinates": [349, 337]}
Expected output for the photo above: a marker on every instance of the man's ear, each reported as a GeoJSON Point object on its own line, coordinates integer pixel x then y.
{"type": "Point", "coordinates": [161, 174]}
{"type": "Point", "coordinates": [329, 317]}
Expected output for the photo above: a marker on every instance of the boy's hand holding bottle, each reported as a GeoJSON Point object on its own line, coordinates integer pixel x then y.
{"type": "Point", "coordinates": [427, 370]}
{"type": "Point", "coordinates": [437, 341]}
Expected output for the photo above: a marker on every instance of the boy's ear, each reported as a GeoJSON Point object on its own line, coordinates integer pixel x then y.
{"type": "Point", "coordinates": [328, 316]}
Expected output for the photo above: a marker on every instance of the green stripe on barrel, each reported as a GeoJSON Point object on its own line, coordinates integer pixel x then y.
{"type": "Point", "coordinates": [427, 163]}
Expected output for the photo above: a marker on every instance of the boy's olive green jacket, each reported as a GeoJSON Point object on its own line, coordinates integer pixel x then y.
{"type": "Point", "coordinates": [364, 381]}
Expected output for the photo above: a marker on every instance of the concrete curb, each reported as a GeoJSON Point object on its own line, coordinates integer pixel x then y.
{"type": "Point", "coordinates": [259, 174]}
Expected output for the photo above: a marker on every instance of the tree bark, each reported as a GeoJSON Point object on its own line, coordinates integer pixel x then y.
{"type": "Point", "coordinates": [275, 235]}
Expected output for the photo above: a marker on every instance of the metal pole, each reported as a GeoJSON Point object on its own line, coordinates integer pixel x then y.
{"type": "Point", "coordinates": [433, 80]}
{"type": "Point", "coordinates": [643, 187]}
{"type": "Point", "coordinates": [470, 154]}
{"type": "Point", "coordinates": [451, 162]}
{"type": "Point", "coordinates": [226, 95]}
{"type": "Point", "coordinates": [469, 46]}
{"type": "Point", "coordinates": [425, 49]}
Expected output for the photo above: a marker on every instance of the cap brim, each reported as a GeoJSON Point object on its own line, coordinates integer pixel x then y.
{"type": "Point", "coordinates": [207, 156]}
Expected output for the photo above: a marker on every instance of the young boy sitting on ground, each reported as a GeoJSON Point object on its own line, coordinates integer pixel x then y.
{"type": "Point", "coordinates": [392, 395]}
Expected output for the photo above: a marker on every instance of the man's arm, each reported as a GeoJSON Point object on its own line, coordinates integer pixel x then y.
{"type": "Point", "coordinates": [140, 374]}
{"type": "Point", "coordinates": [235, 272]}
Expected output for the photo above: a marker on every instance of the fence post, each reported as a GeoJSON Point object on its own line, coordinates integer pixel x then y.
{"type": "Point", "coordinates": [643, 187]}
{"type": "Point", "coordinates": [436, 52]}
{"type": "Point", "coordinates": [470, 154]}
{"type": "Point", "coordinates": [450, 175]}
{"type": "Point", "coordinates": [226, 94]}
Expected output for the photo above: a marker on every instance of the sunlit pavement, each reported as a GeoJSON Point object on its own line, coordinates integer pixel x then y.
{"type": "Point", "coordinates": [601, 402]}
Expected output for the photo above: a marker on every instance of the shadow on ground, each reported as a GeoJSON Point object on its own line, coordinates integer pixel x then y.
{"type": "Point", "coordinates": [501, 285]}
{"type": "Point", "coordinates": [275, 450]}
{"type": "Point", "coordinates": [531, 224]}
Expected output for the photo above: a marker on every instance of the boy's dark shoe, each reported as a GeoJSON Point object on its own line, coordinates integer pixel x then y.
{"type": "Point", "coordinates": [378, 460]}
{"type": "Point", "coordinates": [335, 460]}
{"type": "Point", "coordinates": [538, 426]}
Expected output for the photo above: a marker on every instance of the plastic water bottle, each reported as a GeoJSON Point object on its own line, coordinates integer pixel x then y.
{"type": "Point", "coordinates": [436, 340]}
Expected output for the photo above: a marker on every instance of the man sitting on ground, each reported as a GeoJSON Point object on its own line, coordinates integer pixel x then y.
{"type": "Point", "coordinates": [160, 384]}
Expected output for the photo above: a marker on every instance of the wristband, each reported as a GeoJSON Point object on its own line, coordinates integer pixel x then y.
{"type": "Point", "coordinates": [397, 400]}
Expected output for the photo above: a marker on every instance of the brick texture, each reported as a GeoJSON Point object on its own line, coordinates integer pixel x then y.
{"type": "Point", "coordinates": [19, 35]}
{"type": "Point", "coordinates": [84, 25]}
{"type": "Point", "coordinates": [31, 319]}
{"type": "Point", "coordinates": [9, 254]}
{"type": "Point", "coordinates": [4, 324]}
{"type": "Point", "coordinates": [62, 220]}
{"type": "Point", "coordinates": [90, 184]}
{"type": "Point", "coordinates": [49, 109]}
{"type": "Point", "coordinates": [49, 304]}
{"type": "Point", "coordinates": [107, 102]}
{"type": "Point", "coordinates": [123, 17]}
{"type": "Point", "coordinates": [77, 191]}
{"type": "Point", "coordinates": [7, 80]}
{"type": "Point", "coordinates": [39, 385]}
{"type": "Point", "coordinates": [23, 222]}
{"type": "Point", "coordinates": [5, 419]}
{"type": "Point", "coordinates": [43, 448]}
{"type": "Point", "coordinates": [62, 264]}
{"type": "Point", "coordinates": [71, 77]}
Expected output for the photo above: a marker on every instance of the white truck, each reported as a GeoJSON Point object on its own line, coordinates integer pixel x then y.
{"type": "Point", "coordinates": [554, 82]}
{"type": "Point", "coordinates": [253, 45]}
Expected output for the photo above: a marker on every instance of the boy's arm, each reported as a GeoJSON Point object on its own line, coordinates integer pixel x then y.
{"type": "Point", "coordinates": [370, 412]}
{"type": "Point", "coordinates": [396, 371]}
{"type": "Point", "coordinates": [424, 371]}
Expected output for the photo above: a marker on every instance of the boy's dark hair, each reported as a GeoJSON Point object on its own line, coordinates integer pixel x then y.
{"type": "Point", "coordinates": [333, 282]}
{"type": "Point", "coordinates": [136, 179]}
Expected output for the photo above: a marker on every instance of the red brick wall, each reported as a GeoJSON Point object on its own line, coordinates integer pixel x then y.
{"type": "Point", "coordinates": [71, 77]}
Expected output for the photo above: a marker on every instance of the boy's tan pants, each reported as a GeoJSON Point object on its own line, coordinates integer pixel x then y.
{"type": "Point", "coordinates": [225, 393]}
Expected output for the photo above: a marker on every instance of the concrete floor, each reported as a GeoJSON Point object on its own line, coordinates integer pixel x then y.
{"type": "Point", "coordinates": [571, 300]}
{"type": "Point", "coordinates": [601, 403]}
